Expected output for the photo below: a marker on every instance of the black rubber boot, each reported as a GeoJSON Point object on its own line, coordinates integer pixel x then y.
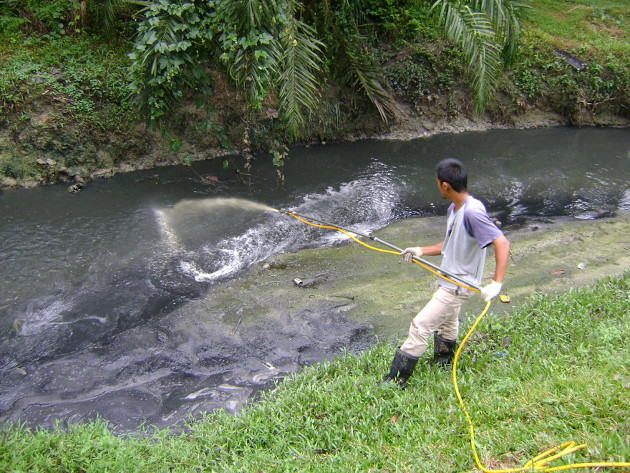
{"type": "Point", "coordinates": [444, 350]}
{"type": "Point", "coordinates": [402, 367]}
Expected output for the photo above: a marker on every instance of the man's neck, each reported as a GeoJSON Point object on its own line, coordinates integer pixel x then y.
{"type": "Point", "coordinates": [458, 198]}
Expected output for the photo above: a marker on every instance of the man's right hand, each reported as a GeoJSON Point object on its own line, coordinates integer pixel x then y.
{"type": "Point", "coordinates": [409, 253]}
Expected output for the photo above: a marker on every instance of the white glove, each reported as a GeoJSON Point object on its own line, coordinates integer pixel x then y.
{"type": "Point", "coordinates": [409, 253]}
{"type": "Point", "coordinates": [491, 291]}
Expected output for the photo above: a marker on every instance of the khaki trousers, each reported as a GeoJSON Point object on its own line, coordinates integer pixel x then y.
{"type": "Point", "coordinates": [441, 313]}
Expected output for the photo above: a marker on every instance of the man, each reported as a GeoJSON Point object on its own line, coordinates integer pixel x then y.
{"type": "Point", "coordinates": [469, 231]}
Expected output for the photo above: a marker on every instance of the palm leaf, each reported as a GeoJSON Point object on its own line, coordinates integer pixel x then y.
{"type": "Point", "coordinates": [474, 33]}
{"type": "Point", "coordinates": [302, 61]}
{"type": "Point", "coordinates": [272, 47]}
{"type": "Point", "coordinates": [353, 62]}
{"type": "Point", "coordinates": [254, 49]}
{"type": "Point", "coordinates": [504, 17]}
{"type": "Point", "coordinates": [364, 75]}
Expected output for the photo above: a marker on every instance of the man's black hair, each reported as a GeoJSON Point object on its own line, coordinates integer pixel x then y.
{"type": "Point", "coordinates": [453, 171]}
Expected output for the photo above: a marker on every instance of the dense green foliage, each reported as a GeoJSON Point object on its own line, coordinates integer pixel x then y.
{"type": "Point", "coordinates": [284, 46]}
{"type": "Point", "coordinates": [552, 371]}
{"type": "Point", "coordinates": [88, 76]}
{"type": "Point", "coordinates": [63, 16]}
{"type": "Point", "coordinates": [545, 77]}
{"type": "Point", "coordinates": [262, 47]}
{"type": "Point", "coordinates": [488, 33]}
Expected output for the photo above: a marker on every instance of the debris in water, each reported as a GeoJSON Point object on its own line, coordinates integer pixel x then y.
{"type": "Point", "coordinates": [308, 282]}
{"type": "Point", "coordinates": [237, 325]}
{"type": "Point", "coordinates": [75, 188]}
{"type": "Point", "coordinates": [17, 325]}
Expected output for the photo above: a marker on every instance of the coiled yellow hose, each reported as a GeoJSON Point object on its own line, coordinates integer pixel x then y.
{"type": "Point", "coordinates": [541, 462]}
{"type": "Point", "coordinates": [538, 463]}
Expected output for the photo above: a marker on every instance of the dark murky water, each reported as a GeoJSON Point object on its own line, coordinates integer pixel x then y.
{"type": "Point", "coordinates": [89, 282]}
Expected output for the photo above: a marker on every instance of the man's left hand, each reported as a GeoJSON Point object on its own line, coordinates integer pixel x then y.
{"type": "Point", "coordinates": [491, 291]}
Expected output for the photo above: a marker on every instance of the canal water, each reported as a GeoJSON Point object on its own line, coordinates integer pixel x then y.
{"type": "Point", "coordinates": [88, 280]}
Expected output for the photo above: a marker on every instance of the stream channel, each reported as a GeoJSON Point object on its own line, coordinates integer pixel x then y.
{"type": "Point", "coordinates": [98, 289]}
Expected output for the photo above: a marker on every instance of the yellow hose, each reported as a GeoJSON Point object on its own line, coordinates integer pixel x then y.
{"type": "Point", "coordinates": [331, 227]}
{"type": "Point", "coordinates": [538, 463]}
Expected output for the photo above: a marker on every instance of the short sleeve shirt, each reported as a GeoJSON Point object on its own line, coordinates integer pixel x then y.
{"type": "Point", "coordinates": [469, 231]}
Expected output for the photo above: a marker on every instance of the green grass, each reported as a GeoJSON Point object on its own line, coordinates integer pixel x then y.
{"type": "Point", "coordinates": [555, 370]}
{"type": "Point", "coordinates": [595, 32]}
{"type": "Point", "coordinates": [74, 73]}
{"type": "Point", "coordinates": [600, 27]}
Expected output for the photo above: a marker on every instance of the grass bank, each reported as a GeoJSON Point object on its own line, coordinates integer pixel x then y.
{"type": "Point", "coordinates": [556, 369]}
{"type": "Point", "coordinates": [574, 60]}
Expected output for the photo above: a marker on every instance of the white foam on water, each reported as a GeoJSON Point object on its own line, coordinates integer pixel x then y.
{"type": "Point", "coordinates": [34, 322]}
{"type": "Point", "coordinates": [363, 205]}
{"type": "Point", "coordinates": [191, 269]}
{"type": "Point", "coordinates": [514, 194]}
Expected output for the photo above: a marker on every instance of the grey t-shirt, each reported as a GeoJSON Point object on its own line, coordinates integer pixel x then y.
{"type": "Point", "coordinates": [469, 231]}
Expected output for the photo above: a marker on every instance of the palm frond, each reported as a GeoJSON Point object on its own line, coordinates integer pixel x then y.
{"type": "Point", "coordinates": [106, 11]}
{"type": "Point", "coordinates": [364, 76]}
{"type": "Point", "coordinates": [269, 46]}
{"type": "Point", "coordinates": [474, 33]}
{"type": "Point", "coordinates": [504, 16]}
{"type": "Point", "coordinates": [302, 61]}
{"type": "Point", "coordinates": [353, 62]}
{"type": "Point", "coordinates": [250, 47]}
{"type": "Point", "coordinates": [109, 9]}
